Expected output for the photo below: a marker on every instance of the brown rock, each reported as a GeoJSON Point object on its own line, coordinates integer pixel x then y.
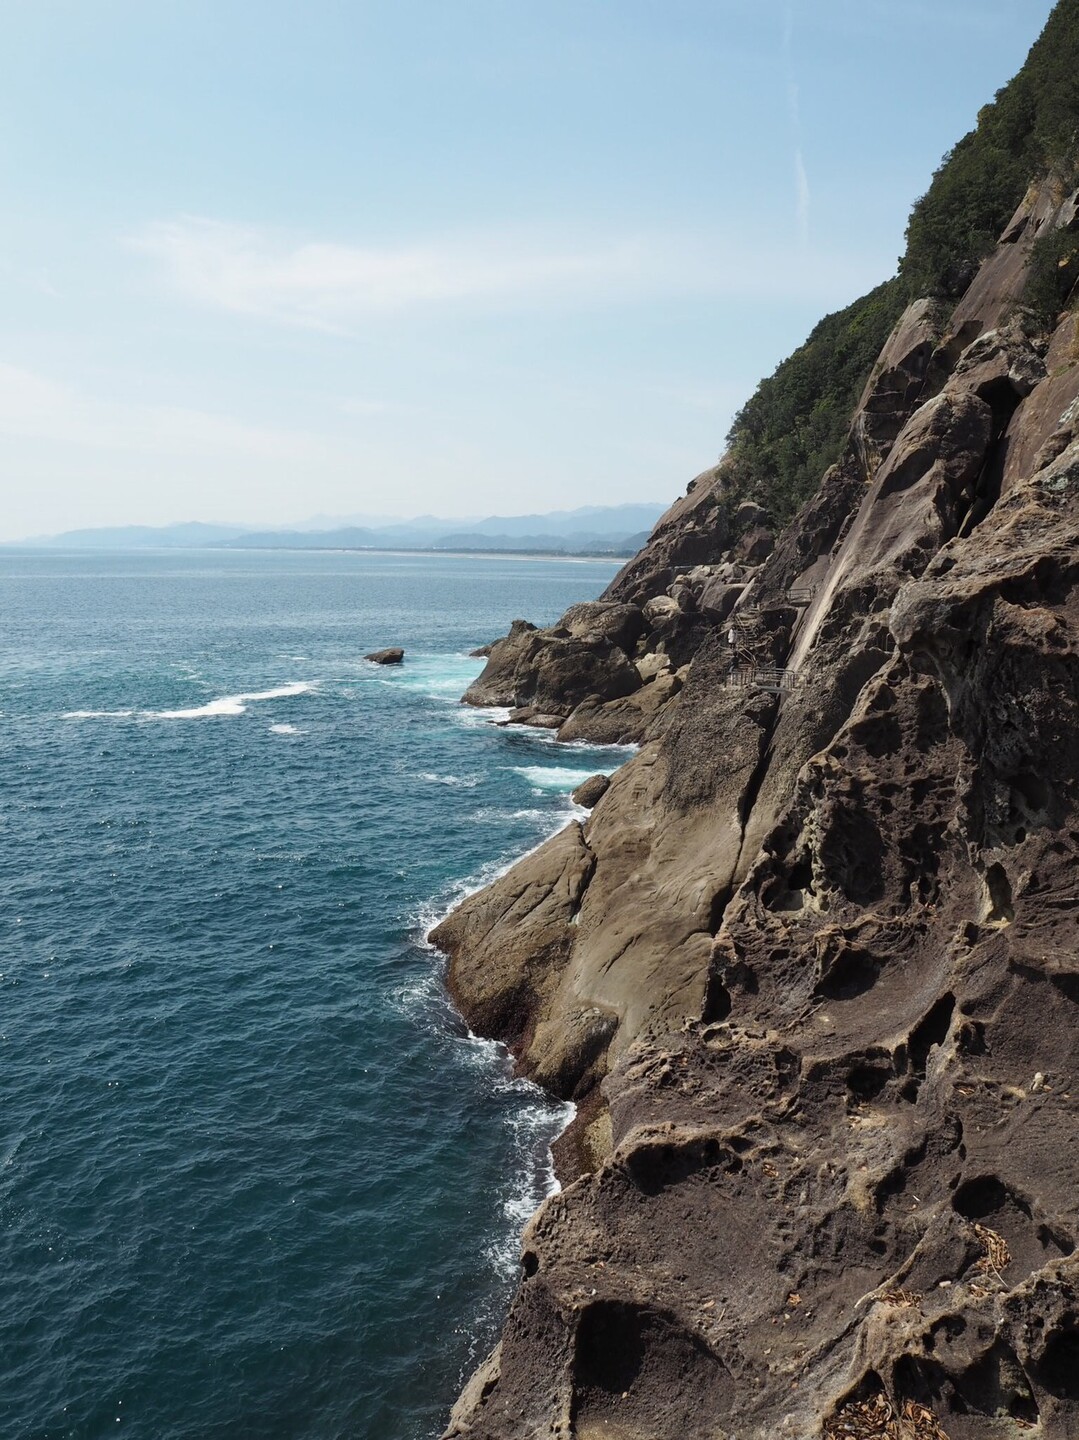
{"type": "Point", "coordinates": [552, 670]}
{"type": "Point", "coordinates": [818, 991]}
{"type": "Point", "coordinates": [1047, 421]}
{"type": "Point", "coordinates": [627, 721]}
{"type": "Point", "coordinates": [718, 599]}
{"type": "Point", "coordinates": [897, 384]}
{"type": "Point", "coordinates": [392, 656]}
{"type": "Point", "coordinates": [620, 624]}
{"type": "Point", "coordinates": [532, 715]}
{"type": "Point", "coordinates": [750, 516]}
{"type": "Point", "coordinates": [845, 1175]}
{"type": "Point", "coordinates": [755, 546]}
{"type": "Point", "coordinates": [591, 792]}
{"type": "Point", "coordinates": [694, 531]}
{"type": "Point", "coordinates": [1000, 282]}
{"type": "Point", "coordinates": [652, 664]}
{"type": "Point", "coordinates": [509, 942]}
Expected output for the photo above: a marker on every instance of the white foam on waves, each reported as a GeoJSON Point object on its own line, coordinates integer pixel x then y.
{"type": "Point", "coordinates": [535, 1121]}
{"type": "Point", "coordinates": [97, 714]}
{"type": "Point", "coordinates": [536, 1124]}
{"type": "Point", "coordinates": [442, 677]}
{"type": "Point", "coordinates": [553, 779]}
{"type": "Point", "coordinates": [223, 705]}
{"type": "Point", "coordinates": [473, 719]}
{"type": "Point", "coordinates": [231, 704]}
{"type": "Point", "coordinates": [456, 782]}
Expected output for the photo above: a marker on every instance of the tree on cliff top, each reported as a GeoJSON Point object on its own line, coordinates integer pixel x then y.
{"type": "Point", "coordinates": [794, 425]}
{"type": "Point", "coordinates": [1030, 128]}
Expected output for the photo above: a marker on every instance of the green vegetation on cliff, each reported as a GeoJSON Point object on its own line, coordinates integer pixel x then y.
{"type": "Point", "coordinates": [1054, 273]}
{"type": "Point", "coordinates": [794, 426]}
{"type": "Point", "coordinates": [1031, 127]}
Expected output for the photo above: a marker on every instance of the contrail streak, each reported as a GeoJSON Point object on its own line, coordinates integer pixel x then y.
{"type": "Point", "coordinates": [803, 197]}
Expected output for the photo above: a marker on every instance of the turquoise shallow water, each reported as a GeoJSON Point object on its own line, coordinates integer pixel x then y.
{"type": "Point", "coordinates": [255, 1179]}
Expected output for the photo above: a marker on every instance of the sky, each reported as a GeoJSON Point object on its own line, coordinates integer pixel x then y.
{"type": "Point", "coordinates": [267, 260]}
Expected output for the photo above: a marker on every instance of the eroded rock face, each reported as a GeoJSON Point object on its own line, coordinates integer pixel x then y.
{"type": "Point", "coordinates": [553, 670]}
{"type": "Point", "coordinates": [1000, 282]}
{"type": "Point", "coordinates": [693, 531]}
{"type": "Point", "coordinates": [602, 670]}
{"type": "Point", "coordinates": [811, 969]}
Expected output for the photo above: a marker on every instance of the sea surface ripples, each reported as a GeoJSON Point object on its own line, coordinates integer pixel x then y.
{"type": "Point", "coordinates": [256, 1180]}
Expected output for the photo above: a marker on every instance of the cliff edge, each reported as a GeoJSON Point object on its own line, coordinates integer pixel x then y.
{"type": "Point", "coordinates": [810, 966]}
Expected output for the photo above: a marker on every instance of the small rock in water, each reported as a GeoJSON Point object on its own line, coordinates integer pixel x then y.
{"type": "Point", "coordinates": [392, 656]}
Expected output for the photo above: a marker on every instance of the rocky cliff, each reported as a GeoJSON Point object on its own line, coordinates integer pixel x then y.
{"type": "Point", "coordinates": [810, 967]}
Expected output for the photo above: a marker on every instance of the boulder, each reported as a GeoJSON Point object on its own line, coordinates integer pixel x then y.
{"type": "Point", "coordinates": [508, 943]}
{"type": "Point", "coordinates": [532, 715]}
{"type": "Point", "coordinates": [897, 384]}
{"type": "Point", "coordinates": [551, 671]}
{"type": "Point", "coordinates": [718, 599]}
{"type": "Point", "coordinates": [651, 665]}
{"type": "Point", "coordinates": [1048, 419]}
{"type": "Point", "coordinates": [591, 792]}
{"type": "Point", "coordinates": [749, 516]}
{"type": "Point", "coordinates": [629, 720]}
{"type": "Point", "coordinates": [678, 635]}
{"type": "Point", "coordinates": [756, 545]}
{"type": "Point", "coordinates": [391, 656]}
{"type": "Point", "coordinates": [659, 607]}
{"type": "Point", "coordinates": [543, 674]}
{"type": "Point", "coordinates": [618, 623]}
{"type": "Point", "coordinates": [684, 596]}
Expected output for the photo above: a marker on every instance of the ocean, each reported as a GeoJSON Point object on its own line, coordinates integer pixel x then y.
{"type": "Point", "coordinates": [256, 1179]}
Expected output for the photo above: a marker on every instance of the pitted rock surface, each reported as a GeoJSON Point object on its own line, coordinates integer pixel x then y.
{"type": "Point", "coordinates": [811, 966]}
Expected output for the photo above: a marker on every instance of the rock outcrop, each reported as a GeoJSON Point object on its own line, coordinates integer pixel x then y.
{"type": "Point", "coordinates": [591, 792]}
{"type": "Point", "coordinates": [392, 656]}
{"type": "Point", "coordinates": [810, 967]}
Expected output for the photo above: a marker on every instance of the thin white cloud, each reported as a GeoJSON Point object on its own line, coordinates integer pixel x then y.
{"type": "Point", "coordinates": [36, 407]}
{"type": "Point", "coordinates": [803, 197]}
{"type": "Point", "coordinates": [339, 287]}
{"type": "Point", "coordinates": [330, 286]}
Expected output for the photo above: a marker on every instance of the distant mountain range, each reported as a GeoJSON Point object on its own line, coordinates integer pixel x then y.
{"type": "Point", "coordinates": [610, 529]}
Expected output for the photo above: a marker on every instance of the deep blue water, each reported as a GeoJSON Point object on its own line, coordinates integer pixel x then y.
{"type": "Point", "coordinates": [255, 1179]}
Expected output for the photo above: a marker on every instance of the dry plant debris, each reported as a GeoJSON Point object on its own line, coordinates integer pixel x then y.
{"type": "Point", "coordinates": [876, 1419]}
{"type": "Point", "coordinates": [921, 1424]}
{"type": "Point", "coordinates": [902, 1299]}
{"type": "Point", "coordinates": [997, 1255]}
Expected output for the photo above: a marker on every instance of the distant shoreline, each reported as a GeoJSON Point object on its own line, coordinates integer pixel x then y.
{"type": "Point", "coordinates": [17, 547]}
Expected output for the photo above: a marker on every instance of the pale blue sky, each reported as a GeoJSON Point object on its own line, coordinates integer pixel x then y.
{"type": "Point", "coordinates": [267, 260]}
